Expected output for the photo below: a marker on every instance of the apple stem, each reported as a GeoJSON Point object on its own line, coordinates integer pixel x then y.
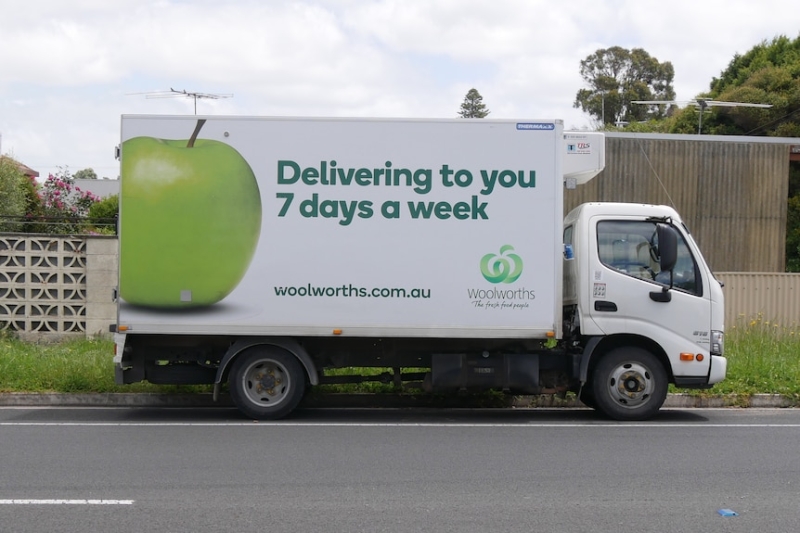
{"type": "Point", "coordinates": [195, 133]}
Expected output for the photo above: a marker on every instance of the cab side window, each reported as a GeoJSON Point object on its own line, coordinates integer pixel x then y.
{"type": "Point", "coordinates": [631, 247]}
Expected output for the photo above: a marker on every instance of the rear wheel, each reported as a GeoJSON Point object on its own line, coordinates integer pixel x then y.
{"type": "Point", "coordinates": [266, 383]}
{"type": "Point", "coordinates": [629, 384]}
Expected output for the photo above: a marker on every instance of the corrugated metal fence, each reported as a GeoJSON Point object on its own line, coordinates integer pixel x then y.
{"type": "Point", "coordinates": [731, 191]}
{"type": "Point", "coordinates": [771, 296]}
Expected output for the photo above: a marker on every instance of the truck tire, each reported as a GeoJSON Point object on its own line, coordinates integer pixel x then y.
{"type": "Point", "coordinates": [587, 397]}
{"type": "Point", "coordinates": [266, 383]}
{"type": "Point", "coordinates": [629, 384]}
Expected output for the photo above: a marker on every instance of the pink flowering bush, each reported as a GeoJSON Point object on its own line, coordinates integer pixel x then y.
{"type": "Point", "coordinates": [62, 206]}
{"type": "Point", "coordinates": [60, 197]}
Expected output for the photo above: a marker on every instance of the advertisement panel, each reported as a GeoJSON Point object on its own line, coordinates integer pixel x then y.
{"type": "Point", "coordinates": [375, 227]}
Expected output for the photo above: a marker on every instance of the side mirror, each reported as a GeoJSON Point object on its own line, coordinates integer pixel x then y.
{"type": "Point", "coordinates": [667, 246]}
{"type": "Point", "coordinates": [667, 257]}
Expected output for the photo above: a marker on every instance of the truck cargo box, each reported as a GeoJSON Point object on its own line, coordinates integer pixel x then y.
{"type": "Point", "coordinates": [417, 228]}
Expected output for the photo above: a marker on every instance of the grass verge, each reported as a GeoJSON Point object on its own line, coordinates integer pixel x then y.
{"type": "Point", "coordinates": [763, 358]}
{"type": "Point", "coordinates": [76, 366]}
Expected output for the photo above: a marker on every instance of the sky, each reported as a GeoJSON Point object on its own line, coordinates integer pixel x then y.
{"type": "Point", "coordinates": [69, 70]}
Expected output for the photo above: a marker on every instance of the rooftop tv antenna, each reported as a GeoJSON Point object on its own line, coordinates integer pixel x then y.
{"type": "Point", "coordinates": [702, 104]}
{"type": "Point", "coordinates": [173, 93]}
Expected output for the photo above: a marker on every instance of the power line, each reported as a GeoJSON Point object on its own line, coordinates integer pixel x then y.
{"type": "Point", "coordinates": [775, 121]}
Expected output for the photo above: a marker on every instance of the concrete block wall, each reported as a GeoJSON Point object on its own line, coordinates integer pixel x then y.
{"type": "Point", "coordinates": [102, 272]}
{"type": "Point", "coordinates": [54, 287]}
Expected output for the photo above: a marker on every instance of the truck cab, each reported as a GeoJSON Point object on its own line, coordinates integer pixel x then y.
{"type": "Point", "coordinates": [638, 312]}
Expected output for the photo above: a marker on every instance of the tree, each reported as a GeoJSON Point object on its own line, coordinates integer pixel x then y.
{"type": "Point", "coordinates": [769, 73]}
{"type": "Point", "coordinates": [12, 195]}
{"type": "Point", "coordinates": [793, 235]}
{"type": "Point", "coordinates": [615, 77]}
{"type": "Point", "coordinates": [793, 220]}
{"type": "Point", "coordinates": [34, 210]}
{"type": "Point", "coordinates": [473, 106]}
{"type": "Point", "coordinates": [85, 174]}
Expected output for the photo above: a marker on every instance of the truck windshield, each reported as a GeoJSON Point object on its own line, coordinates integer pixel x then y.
{"type": "Point", "coordinates": [631, 247]}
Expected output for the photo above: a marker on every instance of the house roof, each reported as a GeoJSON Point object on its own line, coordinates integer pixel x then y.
{"type": "Point", "coordinates": [28, 171]}
{"type": "Point", "coordinates": [99, 187]}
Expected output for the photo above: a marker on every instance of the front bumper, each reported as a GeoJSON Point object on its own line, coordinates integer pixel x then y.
{"type": "Point", "coordinates": [719, 368]}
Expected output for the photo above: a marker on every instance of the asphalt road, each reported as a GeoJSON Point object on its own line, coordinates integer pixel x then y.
{"type": "Point", "coordinates": [134, 469]}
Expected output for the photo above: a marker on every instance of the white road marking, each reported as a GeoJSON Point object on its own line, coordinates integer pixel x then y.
{"type": "Point", "coordinates": [66, 502]}
{"type": "Point", "coordinates": [254, 423]}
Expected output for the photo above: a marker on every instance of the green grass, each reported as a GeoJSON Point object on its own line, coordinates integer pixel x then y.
{"type": "Point", "coordinates": [76, 366]}
{"type": "Point", "coordinates": [365, 387]}
{"type": "Point", "coordinates": [763, 357]}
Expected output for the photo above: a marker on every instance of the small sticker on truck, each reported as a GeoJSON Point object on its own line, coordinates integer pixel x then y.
{"type": "Point", "coordinates": [599, 291]}
{"type": "Point", "coordinates": [579, 148]}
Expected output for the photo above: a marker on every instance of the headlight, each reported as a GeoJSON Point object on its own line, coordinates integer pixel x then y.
{"type": "Point", "coordinates": [717, 343]}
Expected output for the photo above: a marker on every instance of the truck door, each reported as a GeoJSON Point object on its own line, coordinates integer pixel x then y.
{"type": "Point", "coordinates": [628, 292]}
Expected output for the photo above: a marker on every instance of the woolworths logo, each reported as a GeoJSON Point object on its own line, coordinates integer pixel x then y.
{"type": "Point", "coordinates": [503, 267]}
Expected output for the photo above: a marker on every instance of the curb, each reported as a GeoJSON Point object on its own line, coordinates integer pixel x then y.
{"type": "Point", "coordinates": [681, 401]}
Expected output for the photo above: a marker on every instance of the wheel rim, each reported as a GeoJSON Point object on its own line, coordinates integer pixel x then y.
{"type": "Point", "coordinates": [266, 383]}
{"type": "Point", "coordinates": [631, 385]}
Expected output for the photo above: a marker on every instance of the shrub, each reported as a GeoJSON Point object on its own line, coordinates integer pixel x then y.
{"type": "Point", "coordinates": [103, 215]}
{"type": "Point", "coordinates": [64, 204]}
{"type": "Point", "coordinates": [12, 196]}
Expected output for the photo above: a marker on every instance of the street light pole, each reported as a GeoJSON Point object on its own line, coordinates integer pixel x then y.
{"type": "Point", "coordinates": [603, 107]}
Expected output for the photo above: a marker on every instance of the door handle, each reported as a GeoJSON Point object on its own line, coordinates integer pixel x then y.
{"type": "Point", "coordinates": [661, 296]}
{"type": "Point", "coordinates": [604, 305]}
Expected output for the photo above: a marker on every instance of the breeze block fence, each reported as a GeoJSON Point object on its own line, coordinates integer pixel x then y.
{"type": "Point", "coordinates": [54, 287]}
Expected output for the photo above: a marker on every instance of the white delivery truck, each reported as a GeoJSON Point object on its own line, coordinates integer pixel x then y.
{"type": "Point", "coordinates": [261, 252]}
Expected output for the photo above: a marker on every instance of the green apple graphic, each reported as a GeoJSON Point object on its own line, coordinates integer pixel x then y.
{"type": "Point", "coordinates": [190, 218]}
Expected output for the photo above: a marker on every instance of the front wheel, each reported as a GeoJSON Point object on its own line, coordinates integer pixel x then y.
{"type": "Point", "coordinates": [266, 383]}
{"type": "Point", "coordinates": [629, 384]}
